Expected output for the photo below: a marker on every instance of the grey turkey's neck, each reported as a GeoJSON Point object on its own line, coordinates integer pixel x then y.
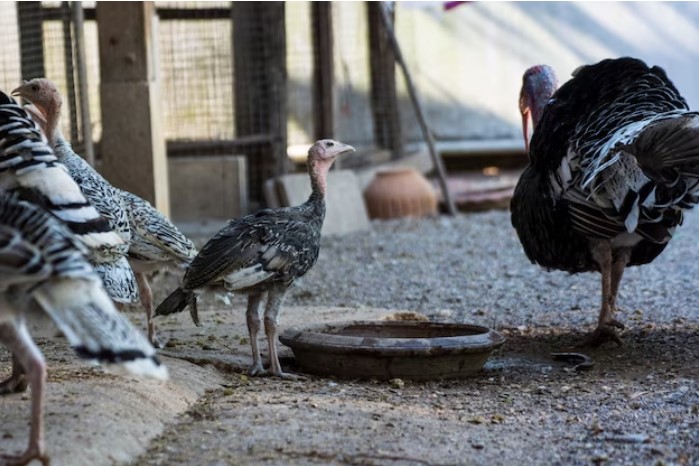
{"type": "Point", "coordinates": [318, 172]}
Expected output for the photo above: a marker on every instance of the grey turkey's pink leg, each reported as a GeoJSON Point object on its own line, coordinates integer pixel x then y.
{"type": "Point", "coordinates": [146, 295]}
{"type": "Point", "coordinates": [274, 304]}
{"type": "Point", "coordinates": [17, 381]}
{"type": "Point", "coordinates": [17, 339]}
{"type": "Point", "coordinates": [252, 316]}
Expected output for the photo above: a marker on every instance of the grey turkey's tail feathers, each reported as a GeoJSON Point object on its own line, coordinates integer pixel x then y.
{"type": "Point", "coordinates": [176, 302]}
{"type": "Point", "coordinates": [95, 329]}
{"type": "Point", "coordinates": [29, 166]}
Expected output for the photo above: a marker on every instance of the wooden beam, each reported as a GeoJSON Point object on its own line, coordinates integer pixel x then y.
{"type": "Point", "coordinates": [384, 98]}
{"type": "Point", "coordinates": [133, 143]}
{"type": "Point", "coordinates": [260, 88]}
{"type": "Point", "coordinates": [323, 72]}
{"type": "Point", "coordinates": [31, 39]}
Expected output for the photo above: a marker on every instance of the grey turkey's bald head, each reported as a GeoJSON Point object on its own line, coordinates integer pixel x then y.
{"type": "Point", "coordinates": [327, 149]}
{"type": "Point", "coordinates": [321, 156]}
{"type": "Point", "coordinates": [538, 85]}
{"type": "Point", "coordinates": [44, 95]}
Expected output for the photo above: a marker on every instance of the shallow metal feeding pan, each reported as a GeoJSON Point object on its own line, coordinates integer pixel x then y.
{"type": "Point", "coordinates": [392, 349]}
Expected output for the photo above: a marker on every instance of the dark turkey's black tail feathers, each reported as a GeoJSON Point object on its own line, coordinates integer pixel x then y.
{"type": "Point", "coordinates": [176, 302]}
{"type": "Point", "coordinates": [669, 148]}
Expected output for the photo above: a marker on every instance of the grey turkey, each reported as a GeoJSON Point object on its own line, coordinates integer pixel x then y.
{"type": "Point", "coordinates": [152, 242]}
{"type": "Point", "coordinates": [613, 165]}
{"type": "Point", "coordinates": [263, 253]}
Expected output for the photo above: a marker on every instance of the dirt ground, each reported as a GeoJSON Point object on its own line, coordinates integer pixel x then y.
{"type": "Point", "coordinates": [638, 404]}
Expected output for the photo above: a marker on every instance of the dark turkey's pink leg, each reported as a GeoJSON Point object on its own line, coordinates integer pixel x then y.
{"type": "Point", "coordinates": [146, 295]}
{"type": "Point", "coordinates": [252, 316]}
{"type": "Point", "coordinates": [606, 324]}
{"type": "Point", "coordinates": [618, 267]}
{"type": "Point", "coordinates": [17, 339]}
{"type": "Point", "coordinates": [17, 382]}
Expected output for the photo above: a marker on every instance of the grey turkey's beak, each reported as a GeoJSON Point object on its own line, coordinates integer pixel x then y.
{"type": "Point", "coordinates": [345, 149]}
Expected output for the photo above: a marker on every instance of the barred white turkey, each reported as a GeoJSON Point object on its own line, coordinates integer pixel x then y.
{"type": "Point", "coordinates": [153, 241]}
{"type": "Point", "coordinates": [613, 165]}
{"type": "Point", "coordinates": [29, 168]}
{"type": "Point", "coordinates": [42, 265]}
{"type": "Point", "coordinates": [111, 264]}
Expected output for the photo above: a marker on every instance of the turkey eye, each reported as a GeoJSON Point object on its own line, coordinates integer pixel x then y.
{"type": "Point", "coordinates": [35, 88]}
{"type": "Point", "coordinates": [329, 144]}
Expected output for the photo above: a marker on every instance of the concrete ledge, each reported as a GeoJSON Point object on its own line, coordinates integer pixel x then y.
{"type": "Point", "coordinates": [208, 187]}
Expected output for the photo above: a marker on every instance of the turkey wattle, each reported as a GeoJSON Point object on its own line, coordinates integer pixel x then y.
{"type": "Point", "coordinates": [613, 163]}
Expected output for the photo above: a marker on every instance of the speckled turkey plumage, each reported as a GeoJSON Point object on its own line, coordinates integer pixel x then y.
{"type": "Point", "coordinates": [111, 264]}
{"type": "Point", "coordinates": [154, 239]}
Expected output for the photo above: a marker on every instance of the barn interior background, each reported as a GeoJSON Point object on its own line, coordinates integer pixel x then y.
{"type": "Point", "coordinates": [226, 95]}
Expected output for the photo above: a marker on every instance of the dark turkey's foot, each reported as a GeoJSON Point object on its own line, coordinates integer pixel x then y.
{"type": "Point", "coordinates": [14, 384]}
{"type": "Point", "coordinates": [26, 458]}
{"type": "Point", "coordinates": [603, 334]}
{"type": "Point", "coordinates": [256, 369]}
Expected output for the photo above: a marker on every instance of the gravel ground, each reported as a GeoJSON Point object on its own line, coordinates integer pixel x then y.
{"type": "Point", "coordinates": [638, 405]}
{"type": "Point", "coordinates": [474, 266]}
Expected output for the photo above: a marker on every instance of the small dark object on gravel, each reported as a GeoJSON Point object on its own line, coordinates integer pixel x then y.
{"type": "Point", "coordinates": [582, 362]}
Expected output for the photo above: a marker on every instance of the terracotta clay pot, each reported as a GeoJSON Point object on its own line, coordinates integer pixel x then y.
{"type": "Point", "coordinates": [400, 192]}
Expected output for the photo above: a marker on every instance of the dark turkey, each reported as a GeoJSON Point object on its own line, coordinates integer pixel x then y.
{"type": "Point", "coordinates": [262, 253]}
{"type": "Point", "coordinates": [613, 163]}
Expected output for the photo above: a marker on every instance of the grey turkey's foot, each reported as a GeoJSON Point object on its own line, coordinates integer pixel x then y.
{"type": "Point", "coordinates": [603, 334]}
{"type": "Point", "coordinates": [289, 376]}
{"type": "Point", "coordinates": [16, 383]}
{"type": "Point", "coordinates": [25, 458]}
{"type": "Point", "coordinates": [256, 369]}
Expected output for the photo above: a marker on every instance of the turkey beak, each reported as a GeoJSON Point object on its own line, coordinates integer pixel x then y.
{"type": "Point", "coordinates": [344, 149]}
{"type": "Point", "coordinates": [19, 91]}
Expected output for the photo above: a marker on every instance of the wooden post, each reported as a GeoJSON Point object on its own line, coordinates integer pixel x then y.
{"type": "Point", "coordinates": [260, 89]}
{"type": "Point", "coordinates": [323, 73]}
{"type": "Point", "coordinates": [133, 143]}
{"type": "Point", "coordinates": [31, 39]}
{"type": "Point", "coordinates": [66, 20]}
{"type": "Point", "coordinates": [88, 151]}
{"type": "Point", "coordinates": [384, 97]}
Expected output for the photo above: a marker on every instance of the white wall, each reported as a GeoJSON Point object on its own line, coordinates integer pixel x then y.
{"type": "Point", "coordinates": [468, 61]}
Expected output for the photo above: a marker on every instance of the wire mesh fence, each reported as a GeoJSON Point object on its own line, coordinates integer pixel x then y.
{"type": "Point", "coordinates": [234, 78]}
